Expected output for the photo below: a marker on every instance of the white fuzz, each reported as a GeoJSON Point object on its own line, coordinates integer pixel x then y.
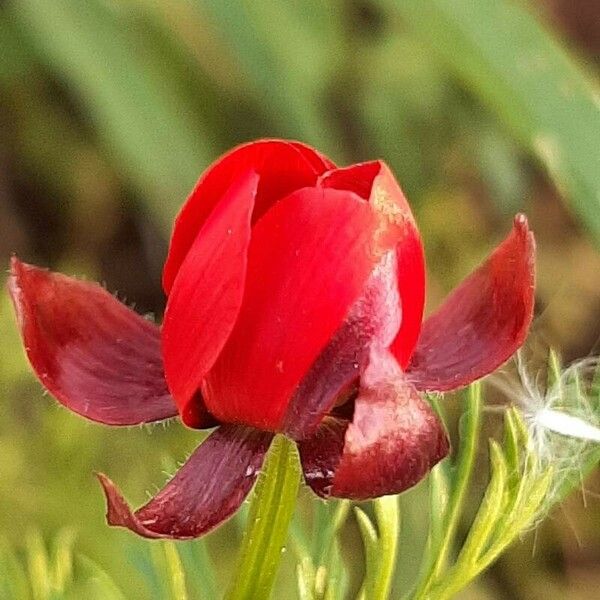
{"type": "Point", "coordinates": [562, 418]}
{"type": "Point", "coordinates": [565, 424]}
{"type": "Point", "coordinates": [564, 409]}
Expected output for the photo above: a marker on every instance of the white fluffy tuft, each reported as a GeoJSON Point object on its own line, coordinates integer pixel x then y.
{"type": "Point", "coordinates": [562, 417]}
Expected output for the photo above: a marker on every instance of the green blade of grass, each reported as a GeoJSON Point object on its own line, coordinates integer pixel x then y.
{"type": "Point", "coordinates": [62, 560]}
{"type": "Point", "coordinates": [37, 566]}
{"type": "Point", "coordinates": [13, 577]}
{"type": "Point", "coordinates": [148, 129]}
{"type": "Point", "coordinates": [490, 510]}
{"type": "Point", "coordinates": [381, 547]}
{"type": "Point", "coordinates": [370, 543]}
{"type": "Point", "coordinates": [528, 80]}
{"type": "Point", "coordinates": [176, 574]}
{"type": "Point", "coordinates": [337, 584]}
{"type": "Point", "coordinates": [387, 513]}
{"type": "Point", "coordinates": [99, 582]}
{"type": "Point", "coordinates": [199, 569]}
{"type": "Point", "coordinates": [276, 59]}
{"type": "Point", "coordinates": [470, 426]}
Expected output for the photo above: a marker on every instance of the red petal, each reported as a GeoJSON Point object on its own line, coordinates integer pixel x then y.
{"type": "Point", "coordinates": [393, 440]}
{"type": "Point", "coordinates": [319, 161]}
{"type": "Point", "coordinates": [207, 294]}
{"type": "Point", "coordinates": [374, 318]}
{"type": "Point", "coordinates": [309, 259]}
{"type": "Point", "coordinates": [374, 181]}
{"type": "Point", "coordinates": [483, 321]}
{"type": "Point", "coordinates": [282, 166]}
{"type": "Point", "coordinates": [357, 178]}
{"type": "Point", "coordinates": [208, 489]}
{"type": "Point", "coordinates": [95, 355]}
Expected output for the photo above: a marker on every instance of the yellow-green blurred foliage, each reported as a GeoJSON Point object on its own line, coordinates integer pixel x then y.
{"type": "Point", "coordinates": [109, 111]}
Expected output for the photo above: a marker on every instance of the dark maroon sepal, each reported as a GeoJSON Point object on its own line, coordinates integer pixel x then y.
{"type": "Point", "coordinates": [208, 489]}
{"type": "Point", "coordinates": [392, 441]}
{"type": "Point", "coordinates": [99, 358]}
{"type": "Point", "coordinates": [483, 321]}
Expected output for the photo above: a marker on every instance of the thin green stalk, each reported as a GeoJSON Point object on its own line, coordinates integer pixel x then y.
{"type": "Point", "coordinates": [176, 575]}
{"type": "Point", "coordinates": [61, 571]}
{"type": "Point", "coordinates": [469, 438]}
{"type": "Point", "coordinates": [381, 547]}
{"type": "Point", "coordinates": [270, 514]}
{"type": "Point", "coordinates": [388, 521]}
{"type": "Point", "coordinates": [37, 563]}
{"type": "Point", "coordinates": [198, 569]}
{"type": "Point", "coordinates": [440, 486]}
{"type": "Point", "coordinates": [329, 518]}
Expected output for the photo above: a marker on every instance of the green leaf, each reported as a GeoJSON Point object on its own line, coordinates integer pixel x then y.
{"type": "Point", "coordinates": [13, 577]}
{"type": "Point", "coordinates": [554, 368]}
{"type": "Point", "coordinates": [528, 80]}
{"type": "Point", "coordinates": [492, 505]}
{"type": "Point", "coordinates": [512, 448]}
{"type": "Point", "coordinates": [320, 571]}
{"type": "Point", "coordinates": [16, 59]}
{"type": "Point", "coordinates": [387, 514]}
{"type": "Point", "coordinates": [381, 547]}
{"type": "Point", "coordinates": [440, 487]}
{"type": "Point", "coordinates": [440, 545]}
{"type": "Point", "coordinates": [289, 66]}
{"type": "Point", "coordinates": [61, 574]}
{"type": "Point", "coordinates": [439, 497]}
{"type": "Point", "coordinates": [329, 518]}
{"type": "Point", "coordinates": [369, 538]}
{"type": "Point", "coordinates": [523, 516]}
{"type": "Point", "coordinates": [175, 572]}
{"type": "Point", "coordinates": [305, 579]}
{"type": "Point", "coordinates": [199, 569]}
{"type": "Point", "coordinates": [337, 582]}
{"type": "Point", "coordinates": [271, 511]}
{"type": "Point", "coordinates": [37, 566]}
{"type": "Point", "coordinates": [99, 582]}
{"type": "Point", "coordinates": [146, 126]}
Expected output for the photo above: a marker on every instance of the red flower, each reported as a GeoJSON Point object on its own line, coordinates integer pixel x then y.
{"type": "Point", "coordinates": [295, 298]}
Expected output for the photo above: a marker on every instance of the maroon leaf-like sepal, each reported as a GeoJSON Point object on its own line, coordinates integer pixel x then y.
{"type": "Point", "coordinates": [392, 441]}
{"type": "Point", "coordinates": [483, 321]}
{"type": "Point", "coordinates": [208, 489]}
{"type": "Point", "coordinates": [96, 356]}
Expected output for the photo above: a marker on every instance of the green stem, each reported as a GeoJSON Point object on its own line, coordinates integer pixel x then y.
{"type": "Point", "coordinates": [388, 521]}
{"type": "Point", "coordinates": [270, 514]}
{"type": "Point", "coordinates": [381, 547]}
{"type": "Point", "coordinates": [176, 574]}
{"type": "Point", "coordinates": [469, 439]}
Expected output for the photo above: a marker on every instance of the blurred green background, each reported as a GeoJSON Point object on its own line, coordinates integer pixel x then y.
{"type": "Point", "coordinates": [110, 110]}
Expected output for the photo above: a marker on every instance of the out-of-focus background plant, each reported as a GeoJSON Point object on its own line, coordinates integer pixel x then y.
{"type": "Point", "coordinates": [109, 111]}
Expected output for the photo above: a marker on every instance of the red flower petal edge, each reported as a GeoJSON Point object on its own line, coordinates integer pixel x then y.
{"type": "Point", "coordinates": [308, 261]}
{"type": "Point", "coordinates": [392, 441]}
{"type": "Point", "coordinates": [483, 321]}
{"type": "Point", "coordinates": [207, 294]}
{"type": "Point", "coordinates": [374, 182]}
{"type": "Point", "coordinates": [318, 160]}
{"type": "Point", "coordinates": [282, 167]}
{"type": "Point", "coordinates": [208, 489]}
{"type": "Point", "coordinates": [96, 356]}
